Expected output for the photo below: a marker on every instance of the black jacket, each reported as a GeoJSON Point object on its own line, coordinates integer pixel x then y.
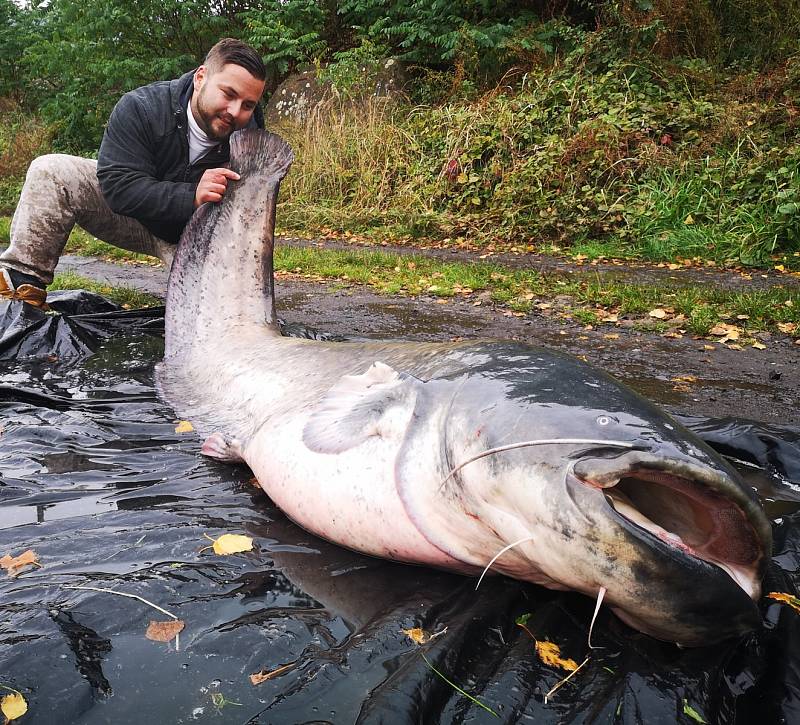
{"type": "Point", "coordinates": [143, 165]}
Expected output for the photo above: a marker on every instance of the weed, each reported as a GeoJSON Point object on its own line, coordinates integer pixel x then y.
{"type": "Point", "coordinates": [124, 296]}
{"type": "Point", "coordinates": [701, 306]}
{"type": "Point", "coordinates": [83, 243]}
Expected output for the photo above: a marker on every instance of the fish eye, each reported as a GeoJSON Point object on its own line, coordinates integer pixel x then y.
{"type": "Point", "coordinates": [606, 419]}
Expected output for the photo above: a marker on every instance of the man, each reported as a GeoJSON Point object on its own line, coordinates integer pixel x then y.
{"type": "Point", "coordinates": [162, 155]}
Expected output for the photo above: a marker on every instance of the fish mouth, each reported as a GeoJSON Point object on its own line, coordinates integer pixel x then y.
{"type": "Point", "coordinates": [695, 511]}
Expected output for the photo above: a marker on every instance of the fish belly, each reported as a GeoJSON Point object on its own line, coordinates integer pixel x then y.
{"type": "Point", "coordinates": [348, 498]}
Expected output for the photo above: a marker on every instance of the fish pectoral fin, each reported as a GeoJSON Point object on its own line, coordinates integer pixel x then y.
{"type": "Point", "coordinates": [378, 402]}
{"type": "Point", "coordinates": [222, 448]}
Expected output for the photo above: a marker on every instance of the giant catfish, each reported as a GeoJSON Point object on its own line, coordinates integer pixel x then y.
{"type": "Point", "coordinates": [446, 454]}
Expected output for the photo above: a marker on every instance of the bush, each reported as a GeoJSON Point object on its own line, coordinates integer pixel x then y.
{"type": "Point", "coordinates": [606, 147]}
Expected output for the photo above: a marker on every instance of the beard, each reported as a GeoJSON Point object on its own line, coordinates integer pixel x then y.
{"type": "Point", "coordinates": [217, 126]}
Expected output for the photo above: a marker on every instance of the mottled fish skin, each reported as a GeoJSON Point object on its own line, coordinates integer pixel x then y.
{"type": "Point", "coordinates": [357, 441]}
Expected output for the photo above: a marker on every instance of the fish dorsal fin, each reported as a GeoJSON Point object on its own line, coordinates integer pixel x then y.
{"type": "Point", "coordinates": [377, 402]}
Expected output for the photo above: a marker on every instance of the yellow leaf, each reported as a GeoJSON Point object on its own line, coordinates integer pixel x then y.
{"type": "Point", "coordinates": [164, 631]}
{"type": "Point", "coordinates": [259, 677]}
{"type": "Point", "coordinates": [759, 346]}
{"type": "Point", "coordinates": [416, 635]}
{"type": "Point", "coordinates": [787, 327]}
{"type": "Point", "coordinates": [658, 313]}
{"type": "Point", "coordinates": [689, 220]}
{"type": "Point", "coordinates": [184, 427]}
{"type": "Point", "coordinates": [550, 654]}
{"type": "Point", "coordinates": [780, 268]}
{"type": "Point", "coordinates": [793, 602]}
{"type": "Point", "coordinates": [12, 563]}
{"type": "Point", "coordinates": [231, 544]}
{"type": "Point", "coordinates": [13, 706]}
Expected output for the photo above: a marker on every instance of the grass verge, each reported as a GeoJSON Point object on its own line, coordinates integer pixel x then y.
{"type": "Point", "coordinates": [589, 299]}
{"type": "Point", "coordinates": [84, 244]}
{"type": "Point", "coordinates": [124, 296]}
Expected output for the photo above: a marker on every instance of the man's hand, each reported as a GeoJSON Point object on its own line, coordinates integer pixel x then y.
{"type": "Point", "coordinates": [212, 185]}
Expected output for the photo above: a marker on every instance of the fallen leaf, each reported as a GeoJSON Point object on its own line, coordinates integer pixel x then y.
{"type": "Point", "coordinates": [164, 631]}
{"type": "Point", "coordinates": [184, 427]}
{"type": "Point", "coordinates": [709, 347]}
{"type": "Point", "coordinates": [685, 379]}
{"type": "Point", "coordinates": [759, 346]}
{"type": "Point", "coordinates": [611, 336]}
{"type": "Point", "coordinates": [787, 327]}
{"type": "Point", "coordinates": [416, 635]}
{"type": "Point", "coordinates": [13, 563]}
{"type": "Point", "coordinates": [723, 329]}
{"type": "Point", "coordinates": [230, 544]}
{"type": "Point", "coordinates": [550, 654]}
{"type": "Point", "coordinates": [13, 706]}
{"type": "Point", "coordinates": [658, 313]}
{"type": "Point", "coordinates": [263, 676]}
{"type": "Point", "coordinates": [689, 219]}
{"type": "Point", "coordinates": [792, 601]}
{"type": "Point", "coordinates": [734, 346]}
{"type": "Point", "coordinates": [692, 713]}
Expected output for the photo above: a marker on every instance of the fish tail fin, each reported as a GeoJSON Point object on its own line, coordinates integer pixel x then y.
{"type": "Point", "coordinates": [222, 274]}
{"type": "Point", "coordinates": [255, 151]}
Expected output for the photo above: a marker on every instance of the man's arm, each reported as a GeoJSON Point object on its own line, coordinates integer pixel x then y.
{"type": "Point", "coordinates": [126, 169]}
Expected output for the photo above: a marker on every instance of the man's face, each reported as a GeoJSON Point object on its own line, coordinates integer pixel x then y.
{"type": "Point", "coordinates": [223, 102]}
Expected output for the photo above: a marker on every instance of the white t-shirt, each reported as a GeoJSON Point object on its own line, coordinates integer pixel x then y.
{"type": "Point", "coordinates": [199, 143]}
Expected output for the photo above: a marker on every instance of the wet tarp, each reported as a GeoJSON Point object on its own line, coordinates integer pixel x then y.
{"type": "Point", "coordinates": [95, 479]}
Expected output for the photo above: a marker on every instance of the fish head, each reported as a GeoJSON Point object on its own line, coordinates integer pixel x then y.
{"type": "Point", "coordinates": [596, 488]}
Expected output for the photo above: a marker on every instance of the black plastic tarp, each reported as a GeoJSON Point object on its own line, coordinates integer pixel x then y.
{"type": "Point", "coordinates": [95, 479]}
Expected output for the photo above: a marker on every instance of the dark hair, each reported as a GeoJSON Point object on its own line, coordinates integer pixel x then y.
{"type": "Point", "coordinates": [230, 50]}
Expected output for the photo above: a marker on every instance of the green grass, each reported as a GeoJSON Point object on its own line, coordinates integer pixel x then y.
{"type": "Point", "coordinates": [520, 290]}
{"type": "Point", "coordinates": [702, 306]}
{"type": "Point", "coordinates": [9, 194]}
{"type": "Point", "coordinates": [84, 244]}
{"type": "Point", "coordinates": [124, 296]}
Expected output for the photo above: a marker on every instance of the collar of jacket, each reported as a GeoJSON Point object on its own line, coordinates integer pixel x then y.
{"type": "Point", "coordinates": [180, 91]}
